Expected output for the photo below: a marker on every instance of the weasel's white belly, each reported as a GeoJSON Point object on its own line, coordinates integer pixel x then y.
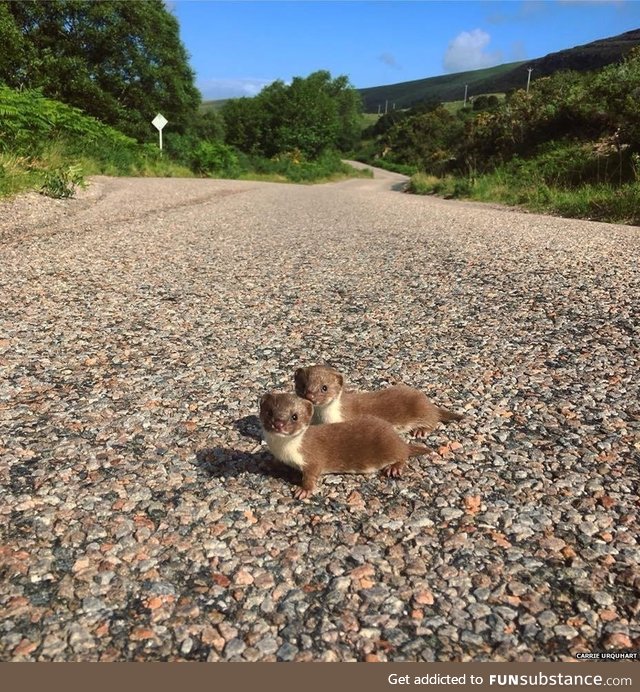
{"type": "Point", "coordinates": [286, 448]}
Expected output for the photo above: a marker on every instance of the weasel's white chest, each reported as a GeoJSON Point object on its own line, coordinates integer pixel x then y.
{"type": "Point", "coordinates": [286, 448]}
{"type": "Point", "coordinates": [331, 413]}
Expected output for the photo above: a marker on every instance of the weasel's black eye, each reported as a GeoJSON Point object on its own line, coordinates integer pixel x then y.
{"type": "Point", "coordinates": [294, 416]}
{"type": "Point", "coordinates": [324, 387]}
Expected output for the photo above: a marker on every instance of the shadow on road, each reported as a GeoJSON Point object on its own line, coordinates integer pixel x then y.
{"type": "Point", "coordinates": [249, 426]}
{"type": "Point", "coordinates": [225, 462]}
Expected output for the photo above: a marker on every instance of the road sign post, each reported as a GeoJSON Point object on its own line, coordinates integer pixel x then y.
{"type": "Point", "coordinates": [159, 122]}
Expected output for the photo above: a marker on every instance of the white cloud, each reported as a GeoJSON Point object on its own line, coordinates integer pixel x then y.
{"type": "Point", "coordinates": [231, 88]}
{"type": "Point", "coordinates": [467, 52]}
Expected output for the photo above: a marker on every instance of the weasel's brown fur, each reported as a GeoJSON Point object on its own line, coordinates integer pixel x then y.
{"type": "Point", "coordinates": [406, 408]}
{"type": "Point", "coordinates": [362, 445]}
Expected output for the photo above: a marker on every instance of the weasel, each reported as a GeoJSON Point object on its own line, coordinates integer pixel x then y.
{"type": "Point", "coordinates": [406, 408]}
{"type": "Point", "coordinates": [363, 445]}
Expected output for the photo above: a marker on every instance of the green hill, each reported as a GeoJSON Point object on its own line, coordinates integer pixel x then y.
{"type": "Point", "coordinates": [501, 78]}
{"type": "Point", "coordinates": [212, 105]}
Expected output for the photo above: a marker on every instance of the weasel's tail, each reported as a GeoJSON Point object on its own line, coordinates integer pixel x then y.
{"type": "Point", "coordinates": [446, 416]}
{"type": "Point", "coordinates": [417, 450]}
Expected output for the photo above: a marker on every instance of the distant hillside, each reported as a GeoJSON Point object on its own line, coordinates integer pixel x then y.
{"type": "Point", "coordinates": [501, 78]}
{"type": "Point", "coordinates": [214, 105]}
{"type": "Point", "coordinates": [448, 87]}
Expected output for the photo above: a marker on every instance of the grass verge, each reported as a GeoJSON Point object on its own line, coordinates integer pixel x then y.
{"type": "Point", "coordinates": [595, 202]}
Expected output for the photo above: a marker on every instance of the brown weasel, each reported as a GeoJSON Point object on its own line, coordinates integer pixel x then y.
{"type": "Point", "coordinates": [406, 408]}
{"type": "Point", "coordinates": [363, 445]}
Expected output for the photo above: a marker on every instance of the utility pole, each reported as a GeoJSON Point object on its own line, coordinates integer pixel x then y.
{"type": "Point", "coordinates": [530, 70]}
{"type": "Point", "coordinates": [466, 86]}
{"type": "Point", "coordinates": [386, 104]}
{"type": "Point", "coordinates": [379, 107]}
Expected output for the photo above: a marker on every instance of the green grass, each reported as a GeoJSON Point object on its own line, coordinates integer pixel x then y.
{"type": "Point", "coordinates": [596, 202]}
{"type": "Point", "coordinates": [424, 184]}
{"type": "Point", "coordinates": [366, 154]}
{"type": "Point", "coordinates": [454, 106]}
{"type": "Point", "coordinates": [369, 119]}
{"type": "Point", "coordinates": [293, 168]}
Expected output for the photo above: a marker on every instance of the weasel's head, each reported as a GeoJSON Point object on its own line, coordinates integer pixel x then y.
{"type": "Point", "coordinates": [284, 414]}
{"type": "Point", "coordinates": [318, 384]}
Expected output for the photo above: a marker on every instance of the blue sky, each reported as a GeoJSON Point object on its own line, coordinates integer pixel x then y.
{"type": "Point", "coordinates": [238, 46]}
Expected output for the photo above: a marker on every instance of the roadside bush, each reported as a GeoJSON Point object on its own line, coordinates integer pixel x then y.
{"type": "Point", "coordinates": [294, 167]}
{"type": "Point", "coordinates": [423, 184]}
{"type": "Point", "coordinates": [214, 158]}
{"type": "Point", "coordinates": [61, 182]}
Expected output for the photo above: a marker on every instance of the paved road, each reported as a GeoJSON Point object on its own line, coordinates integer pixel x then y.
{"type": "Point", "coordinates": [142, 519]}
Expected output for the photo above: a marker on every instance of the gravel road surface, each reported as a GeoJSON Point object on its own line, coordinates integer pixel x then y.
{"type": "Point", "coordinates": [142, 518]}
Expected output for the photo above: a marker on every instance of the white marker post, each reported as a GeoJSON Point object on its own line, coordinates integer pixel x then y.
{"type": "Point", "coordinates": [159, 122]}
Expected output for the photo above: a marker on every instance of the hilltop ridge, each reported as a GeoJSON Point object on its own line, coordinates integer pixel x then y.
{"type": "Point", "coordinates": [501, 78]}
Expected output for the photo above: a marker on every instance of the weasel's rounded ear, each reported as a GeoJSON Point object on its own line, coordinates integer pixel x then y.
{"type": "Point", "coordinates": [309, 407]}
{"type": "Point", "coordinates": [340, 379]}
{"type": "Point", "coordinates": [263, 400]}
{"type": "Point", "coordinates": [299, 380]}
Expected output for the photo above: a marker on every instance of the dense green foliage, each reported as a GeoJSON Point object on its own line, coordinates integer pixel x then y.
{"type": "Point", "coordinates": [312, 115]}
{"type": "Point", "coordinates": [121, 62]}
{"type": "Point", "coordinates": [572, 134]}
{"type": "Point", "coordinates": [328, 166]}
{"type": "Point", "coordinates": [48, 144]}
{"type": "Point", "coordinates": [31, 123]}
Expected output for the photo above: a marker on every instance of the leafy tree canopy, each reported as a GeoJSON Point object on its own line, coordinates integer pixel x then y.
{"type": "Point", "coordinates": [122, 62]}
{"type": "Point", "coordinates": [310, 115]}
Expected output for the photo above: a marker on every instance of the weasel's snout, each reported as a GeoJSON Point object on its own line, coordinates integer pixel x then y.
{"type": "Point", "coordinates": [279, 425]}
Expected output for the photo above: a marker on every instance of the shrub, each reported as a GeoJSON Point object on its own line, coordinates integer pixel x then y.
{"type": "Point", "coordinates": [423, 184]}
{"type": "Point", "coordinates": [213, 157]}
{"type": "Point", "coordinates": [61, 182]}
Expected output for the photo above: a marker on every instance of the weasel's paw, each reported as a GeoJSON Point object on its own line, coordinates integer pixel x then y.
{"type": "Point", "coordinates": [393, 471]}
{"type": "Point", "coordinates": [420, 432]}
{"type": "Point", "coordinates": [301, 493]}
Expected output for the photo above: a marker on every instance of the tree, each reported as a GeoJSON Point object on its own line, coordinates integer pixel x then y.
{"type": "Point", "coordinates": [309, 118]}
{"type": "Point", "coordinates": [428, 140]}
{"type": "Point", "coordinates": [14, 55]}
{"type": "Point", "coordinates": [245, 124]}
{"type": "Point", "coordinates": [122, 62]}
{"type": "Point", "coordinates": [310, 115]}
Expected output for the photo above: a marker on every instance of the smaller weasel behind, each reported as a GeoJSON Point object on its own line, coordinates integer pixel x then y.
{"type": "Point", "coordinates": [362, 445]}
{"type": "Point", "coordinates": [406, 408]}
